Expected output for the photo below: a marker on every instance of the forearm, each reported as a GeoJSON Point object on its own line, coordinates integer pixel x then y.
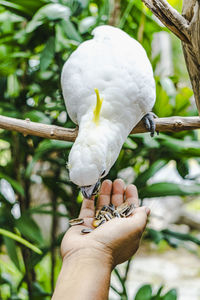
{"type": "Point", "coordinates": [85, 276]}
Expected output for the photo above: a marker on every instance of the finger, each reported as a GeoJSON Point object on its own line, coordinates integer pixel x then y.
{"type": "Point", "coordinates": [132, 195]}
{"type": "Point", "coordinates": [87, 208]}
{"type": "Point", "coordinates": [105, 192]}
{"type": "Point", "coordinates": [118, 192]}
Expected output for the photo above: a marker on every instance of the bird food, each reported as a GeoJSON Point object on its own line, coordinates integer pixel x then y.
{"type": "Point", "coordinates": [74, 222]}
{"type": "Point", "coordinates": [105, 214]}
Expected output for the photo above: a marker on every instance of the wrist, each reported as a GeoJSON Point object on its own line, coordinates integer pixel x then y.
{"type": "Point", "coordinates": [89, 257]}
{"type": "Point", "coordinates": [84, 272]}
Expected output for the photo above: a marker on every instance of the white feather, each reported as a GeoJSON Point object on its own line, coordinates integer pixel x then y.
{"type": "Point", "coordinates": [117, 65]}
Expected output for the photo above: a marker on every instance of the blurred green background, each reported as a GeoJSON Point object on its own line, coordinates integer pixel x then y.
{"type": "Point", "coordinates": [36, 196]}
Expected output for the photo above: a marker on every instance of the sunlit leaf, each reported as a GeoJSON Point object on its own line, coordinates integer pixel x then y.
{"type": "Point", "coordinates": [12, 251]}
{"type": "Point", "coordinates": [49, 12]}
{"type": "Point", "coordinates": [86, 24]}
{"type": "Point", "coordinates": [37, 116]}
{"type": "Point", "coordinates": [16, 186]}
{"type": "Point", "coordinates": [130, 144]}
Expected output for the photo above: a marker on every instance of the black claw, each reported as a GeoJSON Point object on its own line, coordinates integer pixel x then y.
{"type": "Point", "coordinates": [149, 123]}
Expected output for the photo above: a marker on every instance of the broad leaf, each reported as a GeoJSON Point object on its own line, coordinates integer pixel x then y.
{"type": "Point", "coordinates": [182, 167]}
{"type": "Point", "coordinates": [169, 189]}
{"type": "Point", "coordinates": [86, 24]}
{"type": "Point", "coordinates": [70, 30]}
{"type": "Point", "coordinates": [29, 228]}
{"type": "Point", "coordinates": [145, 292]}
{"type": "Point", "coordinates": [171, 295]}
{"type": "Point", "coordinates": [49, 12]}
{"type": "Point", "coordinates": [47, 54]}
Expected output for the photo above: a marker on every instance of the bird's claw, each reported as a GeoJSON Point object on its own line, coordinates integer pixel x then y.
{"type": "Point", "coordinates": [149, 123]}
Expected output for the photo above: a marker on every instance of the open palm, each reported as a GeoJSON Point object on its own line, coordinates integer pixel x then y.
{"type": "Point", "coordinates": [119, 238]}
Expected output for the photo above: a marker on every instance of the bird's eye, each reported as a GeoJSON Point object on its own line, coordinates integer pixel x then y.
{"type": "Point", "coordinates": [103, 173]}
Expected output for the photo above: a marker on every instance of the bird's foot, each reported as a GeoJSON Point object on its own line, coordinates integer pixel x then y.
{"type": "Point", "coordinates": [149, 123]}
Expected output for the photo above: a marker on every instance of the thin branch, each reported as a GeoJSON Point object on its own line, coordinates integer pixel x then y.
{"type": "Point", "coordinates": [26, 127]}
{"type": "Point", "coordinates": [170, 18]}
{"type": "Point", "coordinates": [115, 14]}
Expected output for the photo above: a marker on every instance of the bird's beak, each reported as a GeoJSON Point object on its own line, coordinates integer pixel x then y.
{"type": "Point", "coordinates": [89, 191]}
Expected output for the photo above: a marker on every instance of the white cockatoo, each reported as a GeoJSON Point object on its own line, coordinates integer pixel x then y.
{"type": "Point", "coordinates": [108, 87]}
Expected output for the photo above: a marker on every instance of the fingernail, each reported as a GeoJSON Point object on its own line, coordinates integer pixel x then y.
{"type": "Point", "coordinates": [147, 209]}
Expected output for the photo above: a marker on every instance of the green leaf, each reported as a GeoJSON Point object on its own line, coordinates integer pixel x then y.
{"type": "Point", "coordinates": [169, 189]}
{"type": "Point", "coordinates": [49, 12]}
{"type": "Point", "coordinates": [47, 54]}
{"type": "Point", "coordinates": [182, 167]}
{"type": "Point", "coordinates": [38, 292]}
{"type": "Point", "coordinates": [130, 144]}
{"type": "Point", "coordinates": [19, 239]}
{"type": "Point", "coordinates": [16, 186]}
{"type": "Point", "coordinates": [86, 24]}
{"type": "Point", "coordinates": [44, 148]}
{"type": "Point", "coordinates": [11, 249]}
{"type": "Point", "coordinates": [162, 107]}
{"type": "Point", "coordinates": [183, 100]}
{"type": "Point", "coordinates": [37, 116]}
{"type": "Point", "coordinates": [17, 7]}
{"type": "Point", "coordinates": [171, 295]}
{"type": "Point", "coordinates": [144, 293]}
{"type": "Point", "coordinates": [152, 170]}
{"type": "Point", "coordinates": [155, 235]}
{"type": "Point", "coordinates": [181, 236]}
{"type": "Point", "coordinates": [168, 85]}
{"type": "Point", "coordinates": [70, 30]}
{"type": "Point", "coordinates": [180, 148]}
{"type": "Point", "coordinates": [13, 87]}
{"type": "Point", "coordinates": [23, 7]}
{"type": "Point", "coordinates": [29, 228]}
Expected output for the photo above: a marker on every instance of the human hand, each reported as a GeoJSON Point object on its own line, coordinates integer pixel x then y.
{"type": "Point", "coordinates": [116, 240]}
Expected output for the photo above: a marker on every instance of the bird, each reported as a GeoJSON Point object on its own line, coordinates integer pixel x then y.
{"type": "Point", "coordinates": [108, 87]}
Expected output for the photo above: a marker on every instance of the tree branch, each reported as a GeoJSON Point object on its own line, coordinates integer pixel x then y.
{"type": "Point", "coordinates": [115, 14]}
{"type": "Point", "coordinates": [26, 127]}
{"type": "Point", "coordinates": [170, 18]}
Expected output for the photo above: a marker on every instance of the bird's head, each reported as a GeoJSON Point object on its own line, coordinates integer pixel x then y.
{"type": "Point", "coordinates": [86, 168]}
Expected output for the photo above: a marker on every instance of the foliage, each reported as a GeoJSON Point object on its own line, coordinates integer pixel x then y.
{"type": "Point", "coordinates": [145, 292]}
{"type": "Point", "coordinates": [36, 37]}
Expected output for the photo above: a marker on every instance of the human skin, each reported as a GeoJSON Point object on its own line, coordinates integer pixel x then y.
{"type": "Point", "coordinates": [88, 259]}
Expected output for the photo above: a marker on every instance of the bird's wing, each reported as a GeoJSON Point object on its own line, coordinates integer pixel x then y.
{"type": "Point", "coordinates": [118, 67]}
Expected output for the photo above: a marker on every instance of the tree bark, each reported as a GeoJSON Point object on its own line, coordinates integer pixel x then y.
{"type": "Point", "coordinates": [191, 12]}
{"type": "Point", "coordinates": [187, 28]}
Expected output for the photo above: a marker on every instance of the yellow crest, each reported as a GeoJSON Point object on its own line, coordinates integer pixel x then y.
{"type": "Point", "coordinates": [97, 107]}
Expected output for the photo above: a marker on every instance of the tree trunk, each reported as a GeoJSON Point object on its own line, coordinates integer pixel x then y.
{"type": "Point", "coordinates": [191, 12]}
